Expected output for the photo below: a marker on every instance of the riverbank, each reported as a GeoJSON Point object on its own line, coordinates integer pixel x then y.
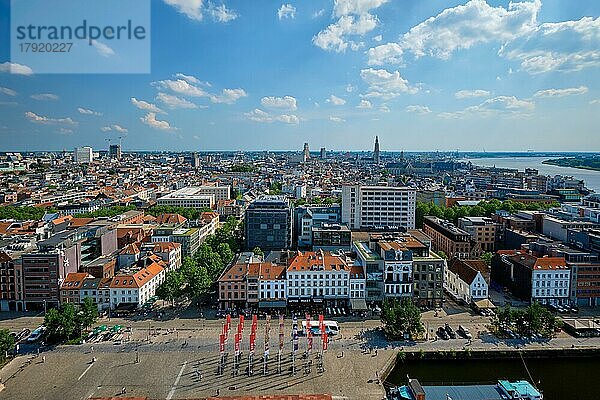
{"type": "Point", "coordinates": [586, 163]}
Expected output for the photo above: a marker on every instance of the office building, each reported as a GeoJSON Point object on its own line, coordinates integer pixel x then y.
{"type": "Point", "coordinates": [482, 230]}
{"type": "Point", "coordinates": [83, 155]}
{"type": "Point", "coordinates": [313, 216]}
{"type": "Point", "coordinates": [269, 223]}
{"type": "Point", "coordinates": [449, 239]}
{"type": "Point", "coordinates": [378, 207]}
{"type": "Point", "coordinates": [114, 151]}
{"type": "Point", "coordinates": [196, 196]}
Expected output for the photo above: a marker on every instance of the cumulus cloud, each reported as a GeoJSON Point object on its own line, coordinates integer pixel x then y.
{"type": "Point", "coordinates": [563, 46]}
{"type": "Point", "coordinates": [384, 84]}
{"type": "Point", "coordinates": [364, 104]}
{"type": "Point", "coordinates": [144, 105]}
{"type": "Point", "coordinates": [561, 92]}
{"type": "Point", "coordinates": [286, 11]}
{"type": "Point", "coordinates": [335, 119]}
{"type": "Point", "coordinates": [87, 111]}
{"type": "Point", "coordinates": [354, 19]}
{"type": "Point", "coordinates": [467, 25]}
{"type": "Point", "coordinates": [390, 53]}
{"type": "Point", "coordinates": [285, 102]}
{"type": "Point", "coordinates": [44, 97]}
{"type": "Point", "coordinates": [182, 87]}
{"type": "Point", "coordinates": [17, 69]}
{"type": "Point", "coordinates": [196, 9]}
{"type": "Point", "coordinates": [501, 105]}
{"type": "Point", "coordinates": [336, 101]}
{"type": "Point", "coordinates": [150, 120]}
{"type": "Point", "coordinates": [7, 91]}
{"type": "Point", "coordinates": [418, 109]}
{"type": "Point", "coordinates": [114, 127]}
{"type": "Point", "coordinates": [258, 115]}
{"type": "Point", "coordinates": [39, 119]}
{"type": "Point", "coordinates": [229, 96]}
{"type": "Point", "coordinates": [103, 49]}
{"type": "Point", "coordinates": [174, 102]}
{"type": "Point", "coordinates": [466, 94]}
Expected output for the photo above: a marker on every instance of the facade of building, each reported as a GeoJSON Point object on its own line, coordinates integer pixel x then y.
{"type": "Point", "coordinates": [378, 206]}
{"type": "Point", "coordinates": [136, 287]}
{"type": "Point", "coordinates": [311, 216]}
{"type": "Point", "coordinates": [11, 283]}
{"type": "Point", "coordinates": [465, 282]}
{"type": "Point", "coordinates": [83, 155]}
{"type": "Point", "coordinates": [269, 223]}
{"type": "Point", "coordinates": [483, 230]}
{"type": "Point", "coordinates": [446, 237]}
{"type": "Point", "coordinates": [331, 237]}
{"type": "Point", "coordinates": [114, 151]}
{"type": "Point", "coordinates": [196, 196]}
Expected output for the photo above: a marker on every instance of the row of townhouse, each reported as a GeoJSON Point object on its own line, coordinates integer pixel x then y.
{"type": "Point", "coordinates": [129, 289]}
{"type": "Point", "coordinates": [318, 279]}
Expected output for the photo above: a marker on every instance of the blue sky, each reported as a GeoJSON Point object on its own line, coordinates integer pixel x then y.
{"type": "Point", "coordinates": [255, 75]}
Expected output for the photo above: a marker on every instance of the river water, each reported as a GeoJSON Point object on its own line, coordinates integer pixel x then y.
{"type": "Point", "coordinates": [591, 178]}
{"type": "Point", "coordinates": [559, 378]}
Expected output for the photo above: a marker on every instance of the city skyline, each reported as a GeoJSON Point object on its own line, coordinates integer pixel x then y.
{"type": "Point", "coordinates": [333, 74]}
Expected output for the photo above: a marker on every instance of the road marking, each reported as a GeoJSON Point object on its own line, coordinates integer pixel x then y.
{"type": "Point", "coordinates": [84, 372]}
{"type": "Point", "coordinates": [172, 391]}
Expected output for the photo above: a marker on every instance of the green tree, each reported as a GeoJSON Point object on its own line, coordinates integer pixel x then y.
{"type": "Point", "coordinates": [172, 286]}
{"type": "Point", "coordinates": [401, 317]}
{"type": "Point", "coordinates": [7, 343]}
{"type": "Point", "coordinates": [487, 257]}
{"type": "Point", "coordinates": [88, 312]}
{"type": "Point", "coordinates": [442, 254]}
{"type": "Point", "coordinates": [258, 251]}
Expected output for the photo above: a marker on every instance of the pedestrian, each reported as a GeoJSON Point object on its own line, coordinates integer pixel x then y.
{"type": "Point", "coordinates": [92, 349]}
{"type": "Point", "coordinates": [44, 359]}
{"type": "Point", "coordinates": [375, 352]}
{"type": "Point", "coordinates": [123, 390]}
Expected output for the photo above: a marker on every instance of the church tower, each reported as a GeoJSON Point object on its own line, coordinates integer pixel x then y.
{"type": "Point", "coordinates": [376, 151]}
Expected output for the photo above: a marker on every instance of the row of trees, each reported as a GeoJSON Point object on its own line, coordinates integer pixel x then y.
{"type": "Point", "coordinates": [534, 319]}
{"type": "Point", "coordinates": [69, 322]}
{"type": "Point", "coordinates": [199, 273]}
{"type": "Point", "coordinates": [106, 212]}
{"type": "Point", "coordinates": [22, 213]}
{"type": "Point", "coordinates": [483, 209]}
{"type": "Point", "coordinates": [401, 318]}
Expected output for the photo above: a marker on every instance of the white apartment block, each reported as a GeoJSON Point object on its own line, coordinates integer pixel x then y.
{"type": "Point", "coordinates": [398, 278]}
{"type": "Point", "coordinates": [378, 206]}
{"type": "Point", "coordinates": [83, 155]}
{"type": "Point", "coordinates": [550, 284]}
{"type": "Point", "coordinates": [196, 196]}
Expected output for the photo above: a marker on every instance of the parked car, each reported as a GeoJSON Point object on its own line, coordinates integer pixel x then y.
{"type": "Point", "coordinates": [441, 332]}
{"type": "Point", "coordinates": [464, 332]}
{"type": "Point", "coordinates": [450, 331]}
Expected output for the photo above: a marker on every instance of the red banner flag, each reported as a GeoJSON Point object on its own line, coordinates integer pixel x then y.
{"type": "Point", "coordinates": [228, 321]}
{"type": "Point", "coordinates": [222, 343]}
{"type": "Point", "coordinates": [252, 342]}
{"type": "Point", "coordinates": [321, 324]}
{"type": "Point", "coordinates": [237, 339]}
{"type": "Point", "coordinates": [241, 323]}
{"type": "Point", "coordinates": [325, 340]}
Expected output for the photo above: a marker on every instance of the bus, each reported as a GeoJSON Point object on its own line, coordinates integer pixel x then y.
{"type": "Point", "coordinates": [331, 328]}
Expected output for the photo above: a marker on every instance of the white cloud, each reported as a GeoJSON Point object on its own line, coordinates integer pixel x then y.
{"type": "Point", "coordinates": [144, 105]}
{"type": "Point", "coordinates": [595, 101]}
{"type": "Point", "coordinates": [65, 131]}
{"type": "Point", "coordinates": [562, 46]}
{"type": "Point", "coordinates": [318, 13]}
{"type": "Point", "coordinates": [44, 97]}
{"type": "Point", "coordinates": [195, 9]}
{"type": "Point", "coordinates": [390, 53]}
{"type": "Point", "coordinates": [7, 91]}
{"type": "Point", "coordinates": [378, 38]}
{"type": "Point", "coordinates": [17, 69]}
{"type": "Point", "coordinates": [384, 84]}
{"type": "Point", "coordinates": [336, 119]}
{"type": "Point", "coordinates": [258, 115]}
{"type": "Point", "coordinates": [87, 111]}
{"type": "Point", "coordinates": [174, 102]}
{"type": "Point", "coordinates": [467, 25]}
{"type": "Point", "coordinates": [286, 102]}
{"type": "Point", "coordinates": [39, 119]}
{"type": "Point", "coordinates": [188, 78]}
{"type": "Point", "coordinates": [501, 105]}
{"type": "Point", "coordinates": [114, 127]}
{"type": "Point", "coordinates": [181, 86]}
{"type": "Point", "coordinates": [418, 109]}
{"type": "Point", "coordinates": [365, 104]}
{"type": "Point", "coordinates": [354, 19]}
{"type": "Point", "coordinates": [349, 88]}
{"type": "Point", "coordinates": [466, 94]}
{"type": "Point", "coordinates": [103, 49]}
{"type": "Point", "coordinates": [221, 13]}
{"type": "Point", "coordinates": [286, 11]}
{"type": "Point", "coordinates": [336, 101]}
{"type": "Point", "coordinates": [384, 108]}
{"type": "Point", "coordinates": [561, 92]}
{"type": "Point", "coordinates": [150, 120]}
{"type": "Point", "coordinates": [229, 96]}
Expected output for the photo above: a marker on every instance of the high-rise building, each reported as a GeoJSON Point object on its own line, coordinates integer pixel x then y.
{"type": "Point", "coordinates": [83, 155]}
{"type": "Point", "coordinates": [269, 223]}
{"type": "Point", "coordinates": [114, 151]}
{"type": "Point", "coordinates": [305, 153]}
{"type": "Point", "coordinates": [323, 153]}
{"type": "Point", "coordinates": [376, 151]}
{"type": "Point", "coordinates": [378, 206]}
